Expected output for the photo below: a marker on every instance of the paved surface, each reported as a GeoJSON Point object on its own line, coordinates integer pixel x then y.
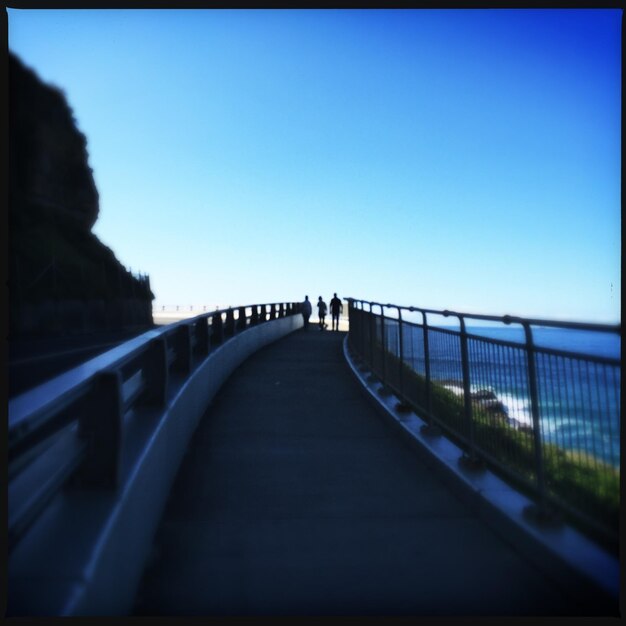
{"type": "Point", "coordinates": [296, 498]}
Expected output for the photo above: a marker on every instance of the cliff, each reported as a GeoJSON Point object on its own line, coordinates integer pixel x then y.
{"type": "Point", "coordinates": [62, 278]}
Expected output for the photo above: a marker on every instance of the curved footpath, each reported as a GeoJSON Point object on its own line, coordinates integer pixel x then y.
{"type": "Point", "coordinates": [296, 498]}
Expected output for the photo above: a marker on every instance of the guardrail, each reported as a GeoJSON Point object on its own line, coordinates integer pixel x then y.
{"type": "Point", "coordinates": [85, 430]}
{"type": "Point", "coordinates": [70, 430]}
{"type": "Point", "coordinates": [543, 417]}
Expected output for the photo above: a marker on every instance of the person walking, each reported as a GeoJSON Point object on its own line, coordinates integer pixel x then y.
{"type": "Point", "coordinates": [321, 312]}
{"type": "Point", "coordinates": [306, 311]}
{"type": "Point", "coordinates": [336, 308]}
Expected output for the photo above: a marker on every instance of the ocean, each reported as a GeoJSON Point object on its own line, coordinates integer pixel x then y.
{"type": "Point", "coordinates": [579, 396]}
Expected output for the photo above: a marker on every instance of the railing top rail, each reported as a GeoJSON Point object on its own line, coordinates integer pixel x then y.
{"type": "Point", "coordinates": [186, 320]}
{"type": "Point", "coordinates": [65, 385]}
{"type": "Point", "coordinates": [68, 385]}
{"type": "Point", "coordinates": [504, 319]}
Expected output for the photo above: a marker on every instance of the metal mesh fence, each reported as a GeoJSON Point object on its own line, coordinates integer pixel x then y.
{"type": "Point", "coordinates": [546, 418]}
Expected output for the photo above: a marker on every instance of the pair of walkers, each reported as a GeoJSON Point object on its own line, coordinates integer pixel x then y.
{"type": "Point", "coordinates": [336, 307]}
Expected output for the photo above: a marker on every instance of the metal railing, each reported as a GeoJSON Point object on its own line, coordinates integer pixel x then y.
{"type": "Point", "coordinates": [70, 429]}
{"type": "Point", "coordinates": [546, 417]}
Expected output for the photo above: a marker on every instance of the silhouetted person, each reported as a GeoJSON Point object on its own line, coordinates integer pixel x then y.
{"type": "Point", "coordinates": [306, 311]}
{"type": "Point", "coordinates": [321, 312]}
{"type": "Point", "coordinates": [336, 308]}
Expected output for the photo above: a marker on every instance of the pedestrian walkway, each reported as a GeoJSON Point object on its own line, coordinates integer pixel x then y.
{"type": "Point", "coordinates": [296, 498]}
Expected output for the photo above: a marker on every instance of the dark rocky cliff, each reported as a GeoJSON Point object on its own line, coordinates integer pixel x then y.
{"type": "Point", "coordinates": [51, 174]}
{"type": "Point", "coordinates": [62, 278]}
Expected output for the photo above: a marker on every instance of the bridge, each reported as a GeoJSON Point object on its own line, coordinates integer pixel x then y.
{"type": "Point", "coordinates": [234, 463]}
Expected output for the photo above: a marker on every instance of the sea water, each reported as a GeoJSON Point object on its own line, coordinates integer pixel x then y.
{"type": "Point", "coordinates": [578, 395]}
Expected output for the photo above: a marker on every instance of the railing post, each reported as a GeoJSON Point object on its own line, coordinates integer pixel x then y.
{"type": "Point", "coordinates": [401, 351]}
{"type": "Point", "coordinates": [350, 326]}
{"type": "Point", "coordinates": [384, 348]}
{"type": "Point", "coordinates": [241, 319]}
{"type": "Point", "coordinates": [467, 395]}
{"type": "Point", "coordinates": [156, 372]}
{"type": "Point", "coordinates": [353, 327]}
{"type": "Point", "coordinates": [202, 336]}
{"type": "Point", "coordinates": [372, 325]}
{"type": "Point", "coordinates": [264, 314]}
{"type": "Point", "coordinates": [534, 404]}
{"type": "Point", "coordinates": [182, 347]}
{"type": "Point", "coordinates": [254, 318]}
{"type": "Point", "coordinates": [229, 326]}
{"type": "Point", "coordinates": [430, 428]}
{"type": "Point", "coordinates": [281, 310]}
{"type": "Point", "coordinates": [359, 318]}
{"type": "Point", "coordinates": [403, 405]}
{"type": "Point", "coordinates": [429, 402]}
{"type": "Point", "coordinates": [101, 425]}
{"type": "Point", "coordinates": [217, 329]}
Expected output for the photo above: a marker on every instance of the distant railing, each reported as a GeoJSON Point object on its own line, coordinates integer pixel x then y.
{"type": "Point", "coordinates": [71, 429]}
{"type": "Point", "coordinates": [186, 310]}
{"type": "Point", "coordinates": [180, 311]}
{"type": "Point", "coordinates": [546, 417]}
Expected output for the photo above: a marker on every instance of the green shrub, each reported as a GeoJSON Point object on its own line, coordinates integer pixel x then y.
{"type": "Point", "coordinates": [573, 479]}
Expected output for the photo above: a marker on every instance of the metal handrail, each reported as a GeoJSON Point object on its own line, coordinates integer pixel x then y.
{"type": "Point", "coordinates": [505, 319]}
{"type": "Point", "coordinates": [463, 399]}
{"type": "Point", "coordinates": [82, 410]}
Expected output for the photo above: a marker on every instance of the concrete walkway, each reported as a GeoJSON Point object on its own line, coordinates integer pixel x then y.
{"type": "Point", "coordinates": [296, 498]}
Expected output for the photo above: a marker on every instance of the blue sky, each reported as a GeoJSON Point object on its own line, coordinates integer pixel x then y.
{"type": "Point", "coordinates": [459, 159]}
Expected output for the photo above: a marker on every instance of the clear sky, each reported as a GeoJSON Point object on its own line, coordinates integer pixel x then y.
{"type": "Point", "coordinates": [459, 159]}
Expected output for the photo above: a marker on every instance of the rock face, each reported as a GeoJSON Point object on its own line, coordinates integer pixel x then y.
{"type": "Point", "coordinates": [51, 171]}
{"type": "Point", "coordinates": [62, 278]}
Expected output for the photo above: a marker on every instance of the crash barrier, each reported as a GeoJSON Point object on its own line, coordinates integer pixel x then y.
{"type": "Point", "coordinates": [93, 452]}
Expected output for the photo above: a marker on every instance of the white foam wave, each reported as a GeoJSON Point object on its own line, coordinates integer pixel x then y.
{"type": "Point", "coordinates": [517, 408]}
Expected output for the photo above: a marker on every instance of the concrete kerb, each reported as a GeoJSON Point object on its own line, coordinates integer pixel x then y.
{"type": "Point", "coordinates": [583, 569]}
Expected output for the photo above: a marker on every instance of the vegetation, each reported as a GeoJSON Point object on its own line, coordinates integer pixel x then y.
{"type": "Point", "coordinates": [574, 480]}
{"type": "Point", "coordinates": [51, 260]}
{"type": "Point", "coordinates": [61, 277]}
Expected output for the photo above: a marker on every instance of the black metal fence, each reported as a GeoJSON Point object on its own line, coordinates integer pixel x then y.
{"type": "Point", "coordinates": [538, 401]}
